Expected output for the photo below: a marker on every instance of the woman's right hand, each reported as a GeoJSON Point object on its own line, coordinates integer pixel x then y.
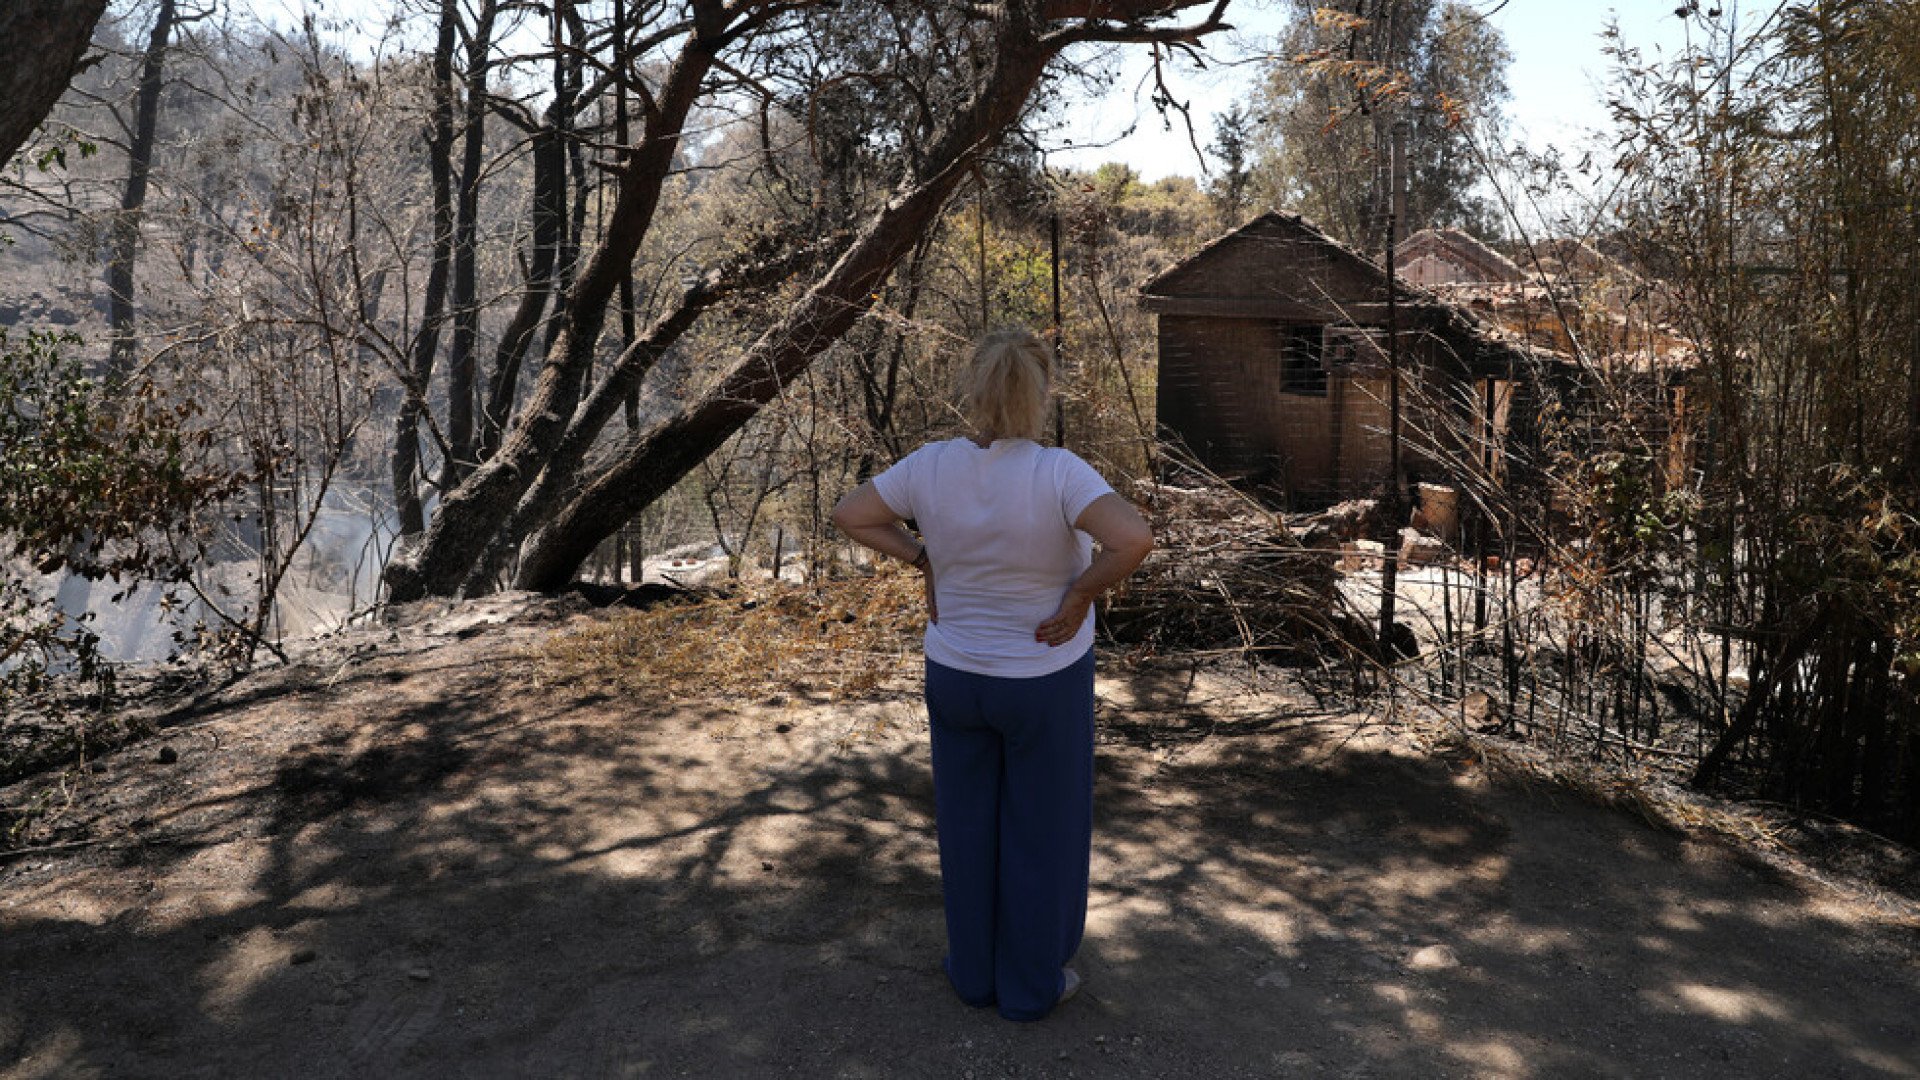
{"type": "Point", "coordinates": [1124, 540]}
{"type": "Point", "coordinates": [1063, 624]}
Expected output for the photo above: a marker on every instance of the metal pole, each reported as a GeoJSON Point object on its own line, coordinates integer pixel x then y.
{"type": "Point", "coordinates": [980, 246]}
{"type": "Point", "coordinates": [1059, 331]}
{"type": "Point", "coordinates": [1395, 511]}
{"type": "Point", "coordinates": [1396, 206]}
{"type": "Point", "coordinates": [1480, 519]}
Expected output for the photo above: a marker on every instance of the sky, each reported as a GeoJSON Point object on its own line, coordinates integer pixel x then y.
{"type": "Point", "coordinates": [1556, 78]}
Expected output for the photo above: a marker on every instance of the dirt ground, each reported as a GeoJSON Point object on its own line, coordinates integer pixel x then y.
{"type": "Point", "coordinates": [406, 857]}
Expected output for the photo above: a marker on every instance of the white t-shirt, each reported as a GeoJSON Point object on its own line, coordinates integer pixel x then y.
{"type": "Point", "coordinates": [998, 523]}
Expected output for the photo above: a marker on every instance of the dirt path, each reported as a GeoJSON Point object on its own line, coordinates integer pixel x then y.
{"type": "Point", "coordinates": [417, 863]}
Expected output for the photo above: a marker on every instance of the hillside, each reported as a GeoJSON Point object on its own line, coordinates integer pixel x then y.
{"type": "Point", "coordinates": [417, 853]}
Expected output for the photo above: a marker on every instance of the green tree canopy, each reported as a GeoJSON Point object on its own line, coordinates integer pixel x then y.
{"type": "Point", "coordinates": [1342, 76]}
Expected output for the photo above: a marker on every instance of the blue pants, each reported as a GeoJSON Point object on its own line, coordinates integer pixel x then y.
{"type": "Point", "coordinates": [1013, 796]}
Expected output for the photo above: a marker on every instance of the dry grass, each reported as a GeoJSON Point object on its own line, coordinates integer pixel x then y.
{"type": "Point", "coordinates": [838, 639]}
{"type": "Point", "coordinates": [1226, 578]}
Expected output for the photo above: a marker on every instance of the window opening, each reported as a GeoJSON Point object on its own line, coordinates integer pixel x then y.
{"type": "Point", "coordinates": [1303, 367]}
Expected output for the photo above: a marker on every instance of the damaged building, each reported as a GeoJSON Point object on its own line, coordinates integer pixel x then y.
{"type": "Point", "coordinates": [1274, 365]}
{"type": "Point", "coordinates": [1274, 359]}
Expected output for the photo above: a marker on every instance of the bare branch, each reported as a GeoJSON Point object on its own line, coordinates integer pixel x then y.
{"type": "Point", "coordinates": [1121, 21]}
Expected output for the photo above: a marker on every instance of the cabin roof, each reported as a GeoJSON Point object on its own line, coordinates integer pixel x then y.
{"type": "Point", "coordinates": [1463, 249]}
{"type": "Point", "coordinates": [1237, 275]}
{"type": "Point", "coordinates": [1267, 229]}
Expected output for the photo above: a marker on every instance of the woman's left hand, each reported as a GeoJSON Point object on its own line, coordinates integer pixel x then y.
{"type": "Point", "coordinates": [926, 583]}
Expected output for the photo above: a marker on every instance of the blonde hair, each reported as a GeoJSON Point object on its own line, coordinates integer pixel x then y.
{"type": "Point", "coordinates": [1005, 388]}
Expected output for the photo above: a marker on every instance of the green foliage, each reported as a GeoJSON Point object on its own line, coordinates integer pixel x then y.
{"type": "Point", "coordinates": [54, 154]}
{"type": "Point", "coordinates": [1634, 515]}
{"type": "Point", "coordinates": [1233, 146]}
{"type": "Point", "coordinates": [1328, 106]}
{"type": "Point", "coordinates": [100, 482]}
{"type": "Point", "coordinates": [103, 482]}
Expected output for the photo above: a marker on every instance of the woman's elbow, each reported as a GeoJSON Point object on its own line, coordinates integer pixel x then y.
{"type": "Point", "coordinates": [1144, 547]}
{"type": "Point", "coordinates": [860, 508]}
{"type": "Point", "coordinates": [849, 520]}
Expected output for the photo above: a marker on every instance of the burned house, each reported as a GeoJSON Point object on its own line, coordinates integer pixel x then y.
{"type": "Point", "coordinates": [1274, 363]}
{"type": "Point", "coordinates": [1563, 295]}
{"type": "Point", "coordinates": [1434, 257]}
{"type": "Point", "coordinates": [1630, 385]}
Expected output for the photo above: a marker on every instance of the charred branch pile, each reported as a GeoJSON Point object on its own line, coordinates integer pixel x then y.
{"type": "Point", "coordinates": [1228, 577]}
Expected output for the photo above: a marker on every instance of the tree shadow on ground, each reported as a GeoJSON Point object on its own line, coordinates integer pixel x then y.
{"type": "Point", "coordinates": [472, 877]}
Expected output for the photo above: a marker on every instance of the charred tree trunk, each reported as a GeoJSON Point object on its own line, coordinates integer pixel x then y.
{"type": "Point", "coordinates": [559, 478]}
{"type": "Point", "coordinates": [673, 446]}
{"type": "Point", "coordinates": [40, 49]}
{"type": "Point", "coordinates": [566, 72]}
{"type": "Point", "coordinates": [549, 210]}
{"type": "Point", "coordinates": [125, 237]}
{"type": "Point", "coordinates": [880, 391]}
{"type": "Point", "coordinates": [426, 341]}
{"type": "Point", "coordinates": [472, 514]}
{"type": "Point", "coordinates": [622, 131]}
{"type": "Point", "coordinates": [75, 591]}
{"type": "Point", "coordinates": [461, 455]}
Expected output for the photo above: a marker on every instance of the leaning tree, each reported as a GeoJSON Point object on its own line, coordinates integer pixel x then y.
{"type": "Point", "coordinates": [41, 45]}
{"type": "Point", "coordinates": [543, 491]}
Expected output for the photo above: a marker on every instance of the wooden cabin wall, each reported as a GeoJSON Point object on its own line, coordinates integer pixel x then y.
{"type": "Point", "coordinates": [1221, 395]}
{"type": "Point", "coordinates": [1213, 385]}
{"type": "Point", "coordinates": [1363, 409]}
{"type": "Point", "coordinates": [1306, 436]}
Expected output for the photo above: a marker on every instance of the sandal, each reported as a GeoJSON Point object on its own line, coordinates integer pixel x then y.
{"type": "Point", "coordinates": [1070, 985]}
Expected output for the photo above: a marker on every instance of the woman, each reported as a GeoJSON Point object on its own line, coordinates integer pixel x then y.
{"type": "Point", "coordinates": [1010, 579]}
